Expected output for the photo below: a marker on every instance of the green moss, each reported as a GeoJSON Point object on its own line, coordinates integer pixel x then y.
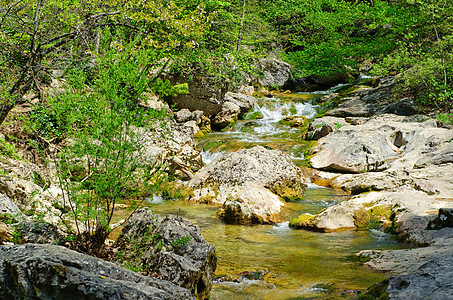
{"type": "Point", "coordinates": [295, 121]}
{"type": "Point", "coordinates": [361, 218]}
{"type": "Point", "coordinates": [254, 116]}
{"type": "Point", "coordinates": [210, 145]}
{"type": "Point", "coordinates": [376, 291]}
{"type": "Point", "coordinates": [247, 129]}
{"type": "Point", "coordinates": [382, 211]}
{"type": "Point", "coordinates": [301, 221]}
{"type": "Point", "coordinates": [289, 192]}
{"type": "Point", "coordinates": [198, 134]}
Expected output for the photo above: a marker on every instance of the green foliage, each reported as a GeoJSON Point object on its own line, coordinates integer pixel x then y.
{"type": "Point", "coordinates": [445, 118]}
{"type": "Point", "coordinates": [101, 117]}
{"type": "Point", "coordinates": [178, 243]}
{"type": "Point", "coordinates": [328, 37]}
{"type": "Point", "coordinates": [8, 150]}
{"type": "Point", "coordinates": [424, 54]}
{"type": "Point", "coordinates": [9, 219]}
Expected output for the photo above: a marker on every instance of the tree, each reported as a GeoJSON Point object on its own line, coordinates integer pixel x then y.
{"type": "Point", "coordinates": [36, 37]}
{"type": "Point", "coordinates": [41, 36]}
{"type": "Point", "coordinates": [101, 161]}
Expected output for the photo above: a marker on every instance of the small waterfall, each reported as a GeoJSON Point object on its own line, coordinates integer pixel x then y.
{"type": "Point", "coordinates": [208, 157]}
{"type": "Point", "coordinates": [275, 111]}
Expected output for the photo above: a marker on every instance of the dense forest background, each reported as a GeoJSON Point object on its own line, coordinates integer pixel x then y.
{"type": "Point", "coordinates": [324, 38]}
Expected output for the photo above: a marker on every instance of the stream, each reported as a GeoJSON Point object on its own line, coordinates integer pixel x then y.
{"type": "Point", "coordinates": [275, 261]}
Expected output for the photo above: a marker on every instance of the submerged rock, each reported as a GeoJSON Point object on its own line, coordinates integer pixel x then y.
{"type": "Point", "coordinates": [34, 271]}
{"type": "Point", "coordinates": [171, 248]}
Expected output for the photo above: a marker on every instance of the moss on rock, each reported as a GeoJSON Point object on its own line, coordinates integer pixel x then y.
{"type": "Point", "coordinates": [302, 221]}
{"type": "Point", "coordinates": [295, 121]}
{"type": "Point", "coordinates": [361, 218]}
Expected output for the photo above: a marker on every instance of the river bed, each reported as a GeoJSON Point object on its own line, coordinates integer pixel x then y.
{"type": "Point", "coordinates": [275, 261]}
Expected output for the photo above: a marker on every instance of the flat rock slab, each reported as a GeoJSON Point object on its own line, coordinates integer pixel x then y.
{"type": "Point", "coordinates": [423, 273]}
{"type": "Point", "coordinates": [381, 143]}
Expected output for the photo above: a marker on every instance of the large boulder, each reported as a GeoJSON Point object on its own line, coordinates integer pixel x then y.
{"type": "Point", "coordinates": [231, 173]}
{"type": "Point", "coordinates": [247, 184]}
{"type": "Point", "coordinates": [205, 93]}
{"type": "Point", "coordinates": [353, 107]}
{"type": "Point", "coordinates": [274, 72]}
{"type": "Point", "coordinates": [380, 143]}
{"type": "Point", "coordinates": [34, 271]}
{"type": "Point", "coordinates": [255, 205]}
{"type": "Point", "coordinates": [171, 248]}
{"type": "Point", "coordinates": [172, 144]}
{"type": "Point", "coordinates": [244, 101]}
{"type": "Point", "coordinates": [227, 114]}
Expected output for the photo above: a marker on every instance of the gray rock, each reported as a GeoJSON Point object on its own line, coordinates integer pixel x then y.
{"type": "Point", "coordinates": [382, 92]}
{"type": "Point", "coordinates": [400, 211]}
{"type": "Point", "coordinates": [275, 72]}
{"type": "Point", "coordinates": [321, 127]}
{"type": "Point", "coordinates": [40, 233]}
{"type": "Point", "coordinates": [171, 247]}
{"type": "Point", "coordinates": [245, 102]}
{"type": "Point", "coordinates": [444, 219]}
{"type": "Point", "coordinates": [169, 141]}
{"type": "Point", "coordinates": [255, 205]}
{"type": "Point", "coordinates": [53, 272]}
{"type": "Point", "coordinates": [205, 93]}
{"type": "Point", "coordinates": [197, 116]}
{"type": "Point", "coordinates": [231, 174]}
{"type": "Point", "coordinates": [423, 273]}
{"type": "Point", "coordinates": [8, 207]}
{"type": "Point", "coordinates": [227, 114]}
{"type": "Point", "coordinates": [183, 115]}
{"type": "Point", "coordinates": [402, 107]}
{"type": "Point", "coordinates": [436, 154]}
{"type": "Point", "coordinates": [383, 143]}
{"type": "Point", "coordinates": [353, 107]}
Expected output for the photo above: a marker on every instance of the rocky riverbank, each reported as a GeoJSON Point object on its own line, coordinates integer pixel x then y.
{"type": "Point", "coordinates": [396, 164]}
{"type": "Point", "coordinates": [399, 169]}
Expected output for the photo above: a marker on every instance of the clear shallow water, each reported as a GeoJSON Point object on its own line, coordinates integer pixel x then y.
{"type": "Point", "coordinates": [267, 131]}
{"type": "Point", "coordinates": [292, 263]}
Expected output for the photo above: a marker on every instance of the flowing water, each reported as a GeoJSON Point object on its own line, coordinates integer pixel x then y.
{"type": "Point", "coordinates": [277, 262]}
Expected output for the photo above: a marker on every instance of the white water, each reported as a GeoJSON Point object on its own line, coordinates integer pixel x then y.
{"type": "Point", "coordinates": [208, 157]}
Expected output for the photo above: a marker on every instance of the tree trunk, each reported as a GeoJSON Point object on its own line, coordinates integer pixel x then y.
{"type": "Point", "coordinates": [241, 27]}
